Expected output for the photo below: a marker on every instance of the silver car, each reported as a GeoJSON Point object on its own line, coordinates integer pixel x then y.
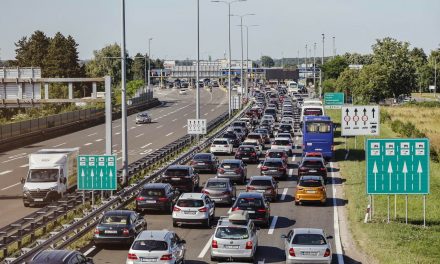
{"type": "Point", "coordinates": [220, 190]}
{"type": "Point", "coordinates": [307, 245]}
{"type": "Point", "coordinates": [233, 169]}
{"type": "Point", "coordinates": [235, 237]}
{"type": "Point", "coordinates": [143, 118]}
{"type": "Point", "coordinates": [157, 246]}
{"type": "Point", "coordinates": [193, 208]}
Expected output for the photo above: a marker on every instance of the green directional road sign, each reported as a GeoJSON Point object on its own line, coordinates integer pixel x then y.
{"type": "Point", "coordinates": [397, 166]}
{"type": "Point", "coordinates": [97, 172]}
{"type": "Point", "coordinates": [333, 100]}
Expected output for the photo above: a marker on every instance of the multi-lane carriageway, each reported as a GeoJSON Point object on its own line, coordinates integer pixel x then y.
{"type": "Point", "coordinates": [169, 123]}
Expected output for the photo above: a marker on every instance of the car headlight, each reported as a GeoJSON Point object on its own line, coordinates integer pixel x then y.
{"type": "Point", "coordinates": [25, 189]}
{"type": "Point", "coordinates": [52, 189]}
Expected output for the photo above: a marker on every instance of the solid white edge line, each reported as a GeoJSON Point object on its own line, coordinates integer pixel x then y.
{"type": "Point", "coordinates": [90, 250]}
{"type": "Point", "coordinates": [206, 248]}
{"type": "Point", "coordinates": [24, 165]}
{"type": "Point", "coordinates": [272, 225]}
{"type": "Point", "coordinates": [337, 235]}
{"type": "Point", "coordinates": [64, 143]}
{"type": "Point", "coordinates": [169, 134]}
{"type": "Point", "coordinates": [5, 172]}
{"type": "Point", "coordinates": [99, 140]}
{"type": "Point", "coordinates": [10, 186]}
{"type": "Point", "coordinates": [283, 196]}
{"type": "Point", "coordinates": [89, 135]}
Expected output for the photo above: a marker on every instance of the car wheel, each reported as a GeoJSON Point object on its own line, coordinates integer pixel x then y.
{"type": "Point", "coordinates": [175, 224]}
{"type": "Point", "coordinates": [243, 181]}
{"type": "Point", "coordinates": [213, 258]}
{"type": "Point", "coordinates": [26, 204]}
{"type": "Point", "coordinates": [296, 203]}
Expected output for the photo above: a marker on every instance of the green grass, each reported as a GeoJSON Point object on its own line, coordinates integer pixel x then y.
{"type": "Point", "coordinates": [424, 95]}
{"type": "Point", "coordinates": [395, 242]}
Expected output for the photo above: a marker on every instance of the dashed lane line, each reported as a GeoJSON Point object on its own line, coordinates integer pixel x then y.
{"type": "Point", "coordinates": [140, 135]}
{"type": "Point", "coordinates": [89, 135]}
{"type": "Point", "coordinates": [5, 172]}
{"type": "Point", "coordinates": [336, 220]}
{"type": "Point", "coordinates": [88, 144]}
{"type": "Point", "coordinates": [99, 140]}
{"type": "Point", "coordinates": [144, 146]}
{"type": "Point", "coordinates": [272, 225]}
{"type": "Point", "coordinates": [205, 248]}
{"type": "Point", "coordinates": [10, 186]}
{"type": "Point", "coordinates": [169, 134]}
{"type": "Point", "coordinates": [283, 196]}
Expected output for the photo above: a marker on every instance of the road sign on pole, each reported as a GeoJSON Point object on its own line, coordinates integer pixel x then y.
{"type": "Point", "coordinates": [360, 120]}
{"type": "Point", "coordinates": [397, 166]}
{"type": "Point", "coordinates": [235, 102]}
{"type": "Point", "coordinates": [334, 100]}
{"type": "Point", "coordinates": [97, 172]}
{"type": "Point", "coordinates": [196, 126]}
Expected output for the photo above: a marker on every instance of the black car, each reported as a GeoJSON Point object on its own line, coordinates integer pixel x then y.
{"type": "Point", "coordinates": [157, 196]}
{"type": "Point", "coordinates": [233, 137]}
{"type": "Point", "coordinates": [285, 128]}
{"type": "Point", "coordinates": [204, 162]}
{"type": "Point", "coordinates": [119, 227]}
{"type": "Point", "coordinates": [60, 257]}
{"type": "Point", "coordinates": [247, 153]}
{"type": "Point", "coordinates": [181, 177]}
{"type": "Point", "coordinates": [256, 205]}
{"type": "Point", "coordinates": [312, 166]}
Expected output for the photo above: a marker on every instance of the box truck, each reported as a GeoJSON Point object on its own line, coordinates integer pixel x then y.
{"type": "Point", "coordinates": [52, 173]}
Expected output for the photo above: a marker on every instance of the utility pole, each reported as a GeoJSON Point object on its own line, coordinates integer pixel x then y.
{"type": "Point", "coordinates": [305, 73]}
{"type": "Point", "coordinates": [320, 68]}
{"type": "Point", "coordinates": [334, 47]}
{"type": "Point", "coordinates": [314, 66]}
{"type": "Point", "coordinates": [297, 60]}
{"type": "Point", "coordinates": [123, 101]}
{"type": "Point", "coordinates": [241, 64]}
{"type": "Point", "coordinates": [198, 62]}
{"type": "Point", "coordinates": [435, 77]}
{"type": "Point", "coordinates": [149, 64]}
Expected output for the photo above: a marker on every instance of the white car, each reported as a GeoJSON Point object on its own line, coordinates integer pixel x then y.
{"type": "Point", "coordinates": [268, 117]}
{"type": "Point", "coordinates": [222, 145]}
{"type": "Point", "coordinates": [283, 144]}
{"type": "Point", "coordinates": [287, 120]}
{"type": "Point", "coordinates": [256, 143]}
{"type": "Point", "coordinates": [193, 208]}
{"type": "Point", "coordinates": [182, 91]}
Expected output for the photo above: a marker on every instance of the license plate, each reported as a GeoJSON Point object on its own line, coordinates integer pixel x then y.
{"type": "Point", "coordinates": [216, 199]}
{"type": "Point", "coordinates": [312, 170]}
{"type": "Point", "coordinates": [150, 201]}
{"type": "Point", "coordinates": [310, 191]}
{"type": "Point", "coordinates": [232, 247]}
{"type": "Point", "coordinates": [251, 212]}
{"type": "Point", "coordinates": [201, 163]}
{"type": "Point", "coordinates": [175, 179]}
{"type": "Point", "coordinates": [190, 212]}
{"type": "Point", "coordinates": [110, 231]}
{"type": "Point", "coordinates": [38, 199]}
{"type": "Point", "coordinates": [273, 170]}
{"type": "Point", "coordinates": [309, 253]}
{"type": "Point", "coordinates": [261, 191]}
{"type": "Point", "coordinates": [148, 259]}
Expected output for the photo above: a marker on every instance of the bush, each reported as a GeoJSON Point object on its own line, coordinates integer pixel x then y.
{"type": "Point", "coordinates": [384, 117]}
{"type": "Point", "coordinates": [434, 154]}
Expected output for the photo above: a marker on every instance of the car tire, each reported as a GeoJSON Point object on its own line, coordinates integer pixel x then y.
{"type": "Point", "coordinates": [175, 224]}
{"type": "Point", "coordinates": [243, 181]}
{"type": "Point", "coordinates": [297, 203]}
{"type": "Point", "coordinates": [208, 222]}
{"type": "Point", "coordinates": [213, 258]}
{"type": "Point", "coordinates": [26, 204]}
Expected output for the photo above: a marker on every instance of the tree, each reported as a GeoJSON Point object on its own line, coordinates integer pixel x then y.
{"type": "Point", "coordinates": [329, 86]}
{"type": "Point", "coordinates": [106, 62]}
{"type": "Point", "coordinates": [32, 52]}
{"type": "Point", "coordinates": [267, 61]}
{"type": "Point", "coordinates": [347, 81]}
{"type": "Point", "coordinates": [133, 86]}
{"type": "Point", "coordinates": [370, 84]}
{"type": "Point", "coordinates": [62, 57]}
{"type": "Point", "coordinates": [333, 68]}
{"type": "Point", "coordinates": [356, 58]}
{"type": "Point", "coordinates": [138, 67]}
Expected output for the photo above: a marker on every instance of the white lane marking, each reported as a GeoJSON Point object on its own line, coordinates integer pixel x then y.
{"type": "Point", "coordinates": [24, 166]}
{"type": "Point", "coordinates": [9, 160]}
{"type": "Point", "coordinates": [114, 145]}
{"type": "Point", "coordinates": [99, 140]}
{"type": "Point", "coordinates": [144, 146]}
{"type": "Point", "coordinates": [59, 145]}
{"type": "Point", "coordinates": [283, 196]}
{"type": "Point", "coordinates": [336, 220]}
{"type": "Point", "coordinates": [88, 144]}
{"type": "Point", "coordinates": [161, 111]}
{"type": "Point", "coordinates": [346, 155]}
{"type": "Point", "coordinates": [205, 249]}
{"type": "Point", "coordinates": [18, 183]}
{"type": "Point", "coordinates": [117, 133]}
{"type": "Point", "coordinates": [155, 119]}
{"type": "Point", "coordinates": [206, 114]}
{"type": "Point", "coordinates": [117, 126]}
{"type": "Point", "coordinates": [262, 261]}
{"type": "Point", "coordinates": [272, 225]}
{"type": "Point", "coordinates": [89, 135]}
{"type": "Point", "coordinates": [169, 134]}
{"type": "Point", "coordinates": [159, 126]}
{"type": "Point", "coordinates": [132, 127]}
{"type": "Point", "coordinates": [212, 110]}
{"type": "Point", "coordinates": [291, 172]}
{"type": "Point", "coordinates": [293, 157]}
{"type": "Point", "coordinates": [119, 158]}
{"type": "Point", "coordinates": [90, 250]}
{"type": "Point", "coordinates": [5, 172]}
{"type": "Point", "coordinates": [146, 152]}
{"type": "Point", "coordinates": [174, 120]}
{"type": "Point", "coordinates": [140, 135]}
{"type": "Point", "coordinates": [17, 155]}
{"type": "Point", "coordinates": [185, 114]}
{"type": "Point", "coordinates": [184, 126]}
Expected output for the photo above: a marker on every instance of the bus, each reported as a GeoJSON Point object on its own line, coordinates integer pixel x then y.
{"type": "Point", "coordinates": [318, 135]}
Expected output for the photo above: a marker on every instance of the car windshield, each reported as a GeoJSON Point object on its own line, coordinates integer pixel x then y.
{"type": "Point", "coordinates": [177, 172]}
{"type": "Point", "coordinates": [312, 163]}
{"type": "Point", "coordinates": [114, 220]}
{"type": "Point", "coordinates": [230, 165]}
{"type": "Point", "coordinates": [275, 154]}
{"type": "Point", "coordinates": [202, 157]}
{"type": "Point", "coordinates": [309, 239]}
{"type": "Point", "coordinates": [150, 245]}
{"type": "Point", "coordinates": [281, 142]}
{"type": "Point", "coordinates": [153, 192]}
{"type": "Point", "coordinates": [43, 175]}
{"type": "Point", "coordinates": [310, 183]}
{"type": "Point", "coordinates": [318, 127]}
{"type": "Point", "coordinates": [189, 203]}
{"type": "Point", "coordinates": [260, 183]}
{"type": "Point", "coordinates": [313, 111]}
{"type": "Point", "coordinates": [232, 233]}
{"type": "Point", "coordinates": [273, 164]}
{"type": "Point", "coordinates": [216, 185]}
{"type": "Point", "coordinates": [249, 202]}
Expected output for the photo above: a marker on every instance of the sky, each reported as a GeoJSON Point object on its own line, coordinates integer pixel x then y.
{"type": "Point", "coordinates": [284, 26]}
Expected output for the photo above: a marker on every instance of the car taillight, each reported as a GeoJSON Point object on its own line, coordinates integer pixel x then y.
{"type": "Point", "coordinates": [302, 169]}
{"type": "Point", "coordinates": [323, 169]}
{"type": "Point", "coordinates": [253, 154]}
{"type": "Point", "coordinates": [282, 169]}
{"type": "Point", "coordinates": [227, 192]}
{"type": "Point", "coordinates": [96, 231]}
{"type": "Point", "coordinates": [176, 209]}
{"type": "Point", "coordinates": [125, 232]}
{"type": "Point", "coordinates": [261, 210]}
{"type": "Point", "coordinates": [249, 245]}
{"type": "Point", "coordinates": [238, 153]}
{"type": "Point", "coordinates": [132, 256]}
{"type": "Point", "coordinates": [167, 257]}
{"type": "Point", "coordinates": [193, 162]}
{"type": "Point", "coordinates": [163, 199]}
{"type": "Point", "coordinates": [221, 170]}
{"type": "Point", "coordinates": [264, 168]}
{"type": "Point", "coordinates": [140, 198]}
{"type": "Point", "coordinates": [214, 244]}
{"type": "Point", "coordinates": [235, 209]}
{"type": "Point", "coordinates": [204, 209]}
{"type": "Point", "coordinates": [205, 191]}
{"type": "Point", "coordinates": [292, 252]}
{"type": "Point", "coordinates": [237, 170]}
{"type": "Point", "coordinates": [250, 188]}
{"type": "Point", "coordinates": [327, 252]}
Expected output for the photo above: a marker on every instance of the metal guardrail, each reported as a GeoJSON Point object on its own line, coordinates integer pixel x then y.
{"type": "Point", "coordinates": [27, 226]}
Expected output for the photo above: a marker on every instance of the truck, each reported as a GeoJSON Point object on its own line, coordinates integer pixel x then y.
{"type": "Point", "coordinates": [292, 87]}
{"type": "Point", "coordinates": [52, 173]}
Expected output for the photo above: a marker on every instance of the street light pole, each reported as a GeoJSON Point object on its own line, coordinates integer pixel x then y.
{"type": "Point", "coordinates": [305, 73]}
{"type": "Point", "coordinates": [320, 69]}
{"type": "Point", "coordinates": [241, 64]}
{"type": "Point", "coordinates": [247, 57]}
{"type": "Point", "coordinates": [123, 101]}
{"type": "Point", "coordinates": [314, 67]}
{"type": "Point", "coordinates": [198, 62]}
{"type": "Point", "coordinates": [334, 47]}
{"type": "Point", "coordinates": [149, 64]}
{"type": "Point", "coordinates": [435, 76]}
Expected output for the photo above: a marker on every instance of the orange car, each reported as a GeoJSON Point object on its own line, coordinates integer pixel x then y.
{"type": "Point", "coordinates": [310, 189]}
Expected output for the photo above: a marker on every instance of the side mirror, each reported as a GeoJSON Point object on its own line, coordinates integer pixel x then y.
{"type": "Point", "coordinates": [329, 237]}
{"type": "Point", "coordinates": [261, 162]}
{"type": "Point", "coordinates": [283, 236]}
{"type": "Point", "coordinates": [22, 180]}
{"type": "Point", "coordinates": [63, 180]}
{"type": "Point", "coordinates": [183, 241]}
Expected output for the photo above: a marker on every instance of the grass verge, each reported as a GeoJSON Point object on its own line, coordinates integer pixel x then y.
{"type": "Point", "coordinates": [395, 242]}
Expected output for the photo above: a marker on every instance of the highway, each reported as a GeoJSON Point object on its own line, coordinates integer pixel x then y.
{"type": "Point", "coordinates": [169, 124]}
{"type": "Point", "coordinates": [285, 216]}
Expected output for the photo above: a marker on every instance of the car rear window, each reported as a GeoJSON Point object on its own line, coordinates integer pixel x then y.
{"type": "Point", "coordinates": [318, 127]}
{"type": "Point", "coordinates": [275, 154]}
{"type": "Point", "coordinates": [313, 111]}
{"type": "Point", "coordinates": [153, 192]}
{"type": "Point", "coordinates": [229, 135]}
{"type": "Point", "coordinates": [229, 165]}
{"type": "Point", "coordinates": [232, 233]}
{"type": "Point", "coordinates": [310, 183]}
{"type": "Point", "coordinates": [254, 136]}
{"type": "Point", "coordinates": [309, 239]}
{"type": "Point", "coordinates": [150, 245]}
{"type": "Point", "coordinates": [202, 157]}
{"type": "Point", "coordinates": [260, 183]}
{"type": "Point", "coordinates": [312, 163]}
{"type": "Point", "coordinates": [281, 142]}
{"type": "Point", "coordinates": [246, 149]}
{"type": "Point", "coordinates": [177, 172]}
{"type": "Point", "coordinates": [190, 203]}
{"type": "Point", "coordinates": [220, 142]}
{"type": "Point", "coordinates": [273, 163]}
{"type": "Point", "coordinates": [114, 220]}
{"type": "Point", "coordinates": [270, 111]}
{"type": "Point", "coordinates": [216, 185]}
{"type": "Point", "coordinates": [249, 202]}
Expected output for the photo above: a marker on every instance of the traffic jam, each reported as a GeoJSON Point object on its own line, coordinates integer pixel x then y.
{"type": "Point", "coordinates": [267, 163]}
